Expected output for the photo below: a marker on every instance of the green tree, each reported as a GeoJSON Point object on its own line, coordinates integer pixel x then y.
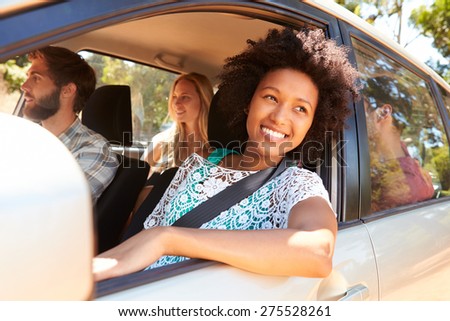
{"type": "Point", "coordinates": [379, 9]}
{"type": "Point", "coordinates": [149, 90]}
{"type": "Point", "coordinates": [14, 73]}
{"type": "Point", "coordinates": [434, 22]}
{"type": "Point", "coordinates": [441, 162]}
{"type": "Point", "coordinates": [353, 6]}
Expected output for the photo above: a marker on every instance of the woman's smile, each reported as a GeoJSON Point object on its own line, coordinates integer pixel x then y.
{"type": "Point", "coordinates": [271, 134]}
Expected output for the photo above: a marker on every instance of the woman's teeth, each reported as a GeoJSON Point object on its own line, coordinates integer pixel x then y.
{"type": "Point", "coordinates": [273, 133]}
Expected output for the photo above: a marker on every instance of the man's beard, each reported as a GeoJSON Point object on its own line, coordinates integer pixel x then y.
{"type": "Point", "coordinates": [43, 108]}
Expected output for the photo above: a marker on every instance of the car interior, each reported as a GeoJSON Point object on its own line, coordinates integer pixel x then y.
{"type": "Point", "coordinates": [167, 43]}
{"type": "Point", "coordinates": [161, 42]}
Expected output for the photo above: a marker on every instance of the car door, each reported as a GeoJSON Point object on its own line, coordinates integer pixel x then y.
{"type": "Point", "coordinates": [404, 146]}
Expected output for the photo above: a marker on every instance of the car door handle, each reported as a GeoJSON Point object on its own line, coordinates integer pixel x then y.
{"type": "Point", "coordinates": [356, 293]}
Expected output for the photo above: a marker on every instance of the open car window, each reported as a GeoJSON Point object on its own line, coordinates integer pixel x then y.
{"type": "Point", "coordinates": [149, 91]}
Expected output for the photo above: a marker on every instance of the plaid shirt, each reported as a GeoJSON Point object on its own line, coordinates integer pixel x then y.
{"type": "Point", "coordinates": [93, 154]}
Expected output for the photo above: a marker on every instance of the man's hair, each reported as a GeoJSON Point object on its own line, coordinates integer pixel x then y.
{"type": "Point", "coordinates": [66, 67]}
{"type": "Point", "coordinates": [309, 52]}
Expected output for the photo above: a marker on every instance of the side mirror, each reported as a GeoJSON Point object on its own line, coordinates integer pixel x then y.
{"type": "Point", "coordinates": [46, 222]}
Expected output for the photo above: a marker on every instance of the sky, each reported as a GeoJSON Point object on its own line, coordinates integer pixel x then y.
{"type": "Point", "coordinates": [421, 47]}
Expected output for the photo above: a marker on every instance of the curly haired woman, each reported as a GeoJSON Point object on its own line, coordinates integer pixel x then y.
{"type": "Point", "coordinates": [280, 93]}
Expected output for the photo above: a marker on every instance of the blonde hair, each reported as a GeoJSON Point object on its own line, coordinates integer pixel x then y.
{"type": "Point", "coordinates": [205, 91]}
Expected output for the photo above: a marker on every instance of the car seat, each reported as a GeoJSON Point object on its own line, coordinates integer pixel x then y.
{"type": "Point", "coordinates": [108, 112]}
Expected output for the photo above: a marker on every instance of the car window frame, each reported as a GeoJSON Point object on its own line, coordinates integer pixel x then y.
{"type": "Point", "coordinates": [438, 90]}
{"type": "Point", "coordinates": [285, 16]}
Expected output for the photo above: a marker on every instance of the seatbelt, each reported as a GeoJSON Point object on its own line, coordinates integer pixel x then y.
{"type": "Point", "coordinates": [228, 197]}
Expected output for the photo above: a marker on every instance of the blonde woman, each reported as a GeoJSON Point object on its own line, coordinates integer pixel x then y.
{"type": "Point", "coordinates": [189, 100]}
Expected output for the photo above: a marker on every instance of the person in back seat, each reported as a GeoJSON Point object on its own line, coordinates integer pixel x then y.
{"type": "Point", "coordinates": [279, 94]}
{"type": "Point", "coordinates": [59, 82]}
{"type": "Point", "coordinates": [189, 101]}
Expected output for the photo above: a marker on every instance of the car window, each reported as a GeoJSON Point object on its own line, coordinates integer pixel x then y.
{"type": "Point", "coordinates": [150, 89]}
{"type": "Point", "coordinates": [409, 150]}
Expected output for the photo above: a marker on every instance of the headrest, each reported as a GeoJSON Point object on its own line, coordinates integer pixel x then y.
{"type": "Point", "coordinates": [108, 112]}
{"type": "Point", "coordinates": [219, 135]}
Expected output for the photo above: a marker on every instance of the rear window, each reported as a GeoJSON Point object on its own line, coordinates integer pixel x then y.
{"type": "Point", "coordinates": [150, 89]}
{"type": "Point", "coordinates": [409, 149]}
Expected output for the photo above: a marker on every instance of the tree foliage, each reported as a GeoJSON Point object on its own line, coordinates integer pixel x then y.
{"type": "Point", "coordinates": [434, 22]}
{"type": "Point", "coordinates": [378, 10]}
{"type": "Point", "coordinates": [441, 162]}
{"type": "Point", "coordinates": [14, 73]}
{"type": "Point", "coordinates": [149, 90]}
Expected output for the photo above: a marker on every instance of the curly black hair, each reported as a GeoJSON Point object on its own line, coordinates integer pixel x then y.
{"type": "Point", "coordinates": [307, 51]}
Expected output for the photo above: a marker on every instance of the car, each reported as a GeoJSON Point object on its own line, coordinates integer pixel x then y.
{"type": "Point", "coordinates": [395, 250]}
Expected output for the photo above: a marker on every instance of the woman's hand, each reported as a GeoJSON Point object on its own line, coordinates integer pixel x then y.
{"type": "Point", "coordinates": [133, 255]}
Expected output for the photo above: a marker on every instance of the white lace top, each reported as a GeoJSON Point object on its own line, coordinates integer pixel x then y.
{"type": "Point", "coordinates": [199, 179]}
